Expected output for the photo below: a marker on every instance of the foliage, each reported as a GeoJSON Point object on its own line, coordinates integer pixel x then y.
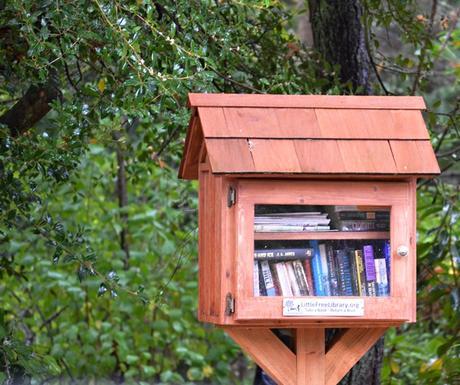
{"type": "Point", "coordinates": [97, 235]}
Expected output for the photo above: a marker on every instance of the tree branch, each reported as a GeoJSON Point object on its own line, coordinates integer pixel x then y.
{"type": "Point", "coordinates": [32, 107]}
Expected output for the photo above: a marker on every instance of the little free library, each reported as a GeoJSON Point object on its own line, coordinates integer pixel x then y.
{"type": "Point", "coordinates": [307, 221]}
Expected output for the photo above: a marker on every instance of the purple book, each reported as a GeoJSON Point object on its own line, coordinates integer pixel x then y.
{"type": "Point", "coordinates": [368, 252]}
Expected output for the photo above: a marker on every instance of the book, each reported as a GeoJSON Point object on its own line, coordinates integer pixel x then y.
{"type": "Point", "coordinates": [340, 208]}
{"type": "Point", "coordinates": [301, 277]}
{"type": "Point", "coordinates": [276, 280]}
{"type": "Point", "coordinates": [332, 269]}
{"type": "Point", "coordinates": [360, 273]}
{"type": "Point", "coordinates": [362, 225]}
{"type": "Point", "coordinates": [369, 267]}
{"type": "Point", "coordinates": [283, 279]}
{"type": "Point", "coordinates": [309, 276]}
{"type": "Point", "coordinates": [316, 269]}
{"type": "Point", "coordinates": [283, 254]}
{"type": "Point", "coordinates": [357, 215]}
{"type": "Point", "coordinates": [324, 269]}
{"type": "Point", "coordinates": [270, 228]}
{"type": "Point", "coordinates": [262, 290]}
{"type": "Point", "coordinates": [344, 272]}
{"type": "Point", "coordinates": [268, 279]}
{"type": "Point", "coordinates": [256, 279]}
{"type": "Point", "coordinates": [387, 256]}
{"type": "Point", "coordinates": [354, 272]}
{"type": "Point", "coordinates": [292, 279]}
{"type": "Point", "coordinates": [381, 277]}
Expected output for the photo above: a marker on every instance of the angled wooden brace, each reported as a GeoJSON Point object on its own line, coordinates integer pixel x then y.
{"type": "Point", "coordinates": [311, 365]}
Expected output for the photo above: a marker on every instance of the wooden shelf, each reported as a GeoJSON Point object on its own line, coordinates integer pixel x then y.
{"type": "Point", "coordinates": [330, 235]}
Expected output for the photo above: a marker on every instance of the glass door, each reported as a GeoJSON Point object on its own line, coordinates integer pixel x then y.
{"type": "Point", "coordinates": [319, 243]}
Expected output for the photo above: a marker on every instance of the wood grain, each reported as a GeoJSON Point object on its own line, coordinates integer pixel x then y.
{"type": "Point", "coordinates": [414, 157]}
{"type": "Point", "coordinates": [347, 350]}
{"type": "Point", "coordinates": [274, 155]}
{"type": "Point", "coordinates": [306, 101]}
{"type": "Point", "coordinates": [230, 155]}
{"type": "Point", "coordinates": [268, 351]}
{"type": "Point", "coordinates": [310, 352]}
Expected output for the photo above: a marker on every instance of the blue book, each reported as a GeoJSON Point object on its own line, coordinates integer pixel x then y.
{"type": "Point", "coordinates": [344, 272]}
{"type": "Point", "coordinates": [387, 256]}
{"type": "Point", "coordinates": [316, 269]}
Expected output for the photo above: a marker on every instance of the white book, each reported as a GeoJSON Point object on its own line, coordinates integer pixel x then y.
{"type": "Point", "coordinates": [267, 228]}
{"type": "Point", "coordinates": [283, 279]}
{"type": "Point", "coordinates": [292, 279]}
{"type": "Point", "coordinates": [256, 279]}
{"type": "Point", "coordinates": [381, 277]}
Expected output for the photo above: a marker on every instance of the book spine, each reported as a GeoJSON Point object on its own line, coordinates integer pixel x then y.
{"type": "Point", "coordinates": [387, 256]}
{"type": "Point", "coordinates": [369, 266]}
{"type": "Point", "coordinates": [292, 279]}
{"type": "Point", "coordinates": [360, 215]}
{"type": "Point", "coordinates": [256, 279]}
{"type": "Point", "coordinates": [368, 252]}
{"type": "Point", "coordinates": [332, 268]}
{"type": "Point", "coordinates": [262, 290]}
{"type": "Point", "coordinates": [361, 274]}
{"type": "Point", "coordinates": [274, 254]}
{"type": "Point", "coordinates": [316, 269]}
{"type": "Point", "coordinates": [268, 279]}
{"type": "Point", "coordinates": [276, 280]}
{"type": "Point", "coordinates": [344, 272]}
{"type": "Point", "coordinates": [301, 277]}
{"type": "Point", "coordinates": [283, 279]}
{"type": "Point", "coordinates": [363, 225]}
{"type": "Point", "coordinates": [288, 228]}
{"type": "Point", "coordinates": [324, 269]}
{"type": "Point", "coordinates": [309, 275]}
{"type": "Point", "coordinates": [354, 272]}
{"type": "Point", "coordinates": [381, 280]}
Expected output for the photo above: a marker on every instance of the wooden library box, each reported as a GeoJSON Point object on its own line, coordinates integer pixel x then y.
{"type": "Point", "coordinates": [307, 208]}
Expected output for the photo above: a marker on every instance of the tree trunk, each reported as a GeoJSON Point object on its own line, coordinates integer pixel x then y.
{"type": "Point", "coordinates": [338, 35]}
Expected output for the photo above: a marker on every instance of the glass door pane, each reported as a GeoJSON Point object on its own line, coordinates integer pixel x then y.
{"type": "Point", "coordinates": [306, 250]}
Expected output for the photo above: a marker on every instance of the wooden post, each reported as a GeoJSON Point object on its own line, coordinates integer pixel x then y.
{"type": "Point", "coordinates": [310, 347]}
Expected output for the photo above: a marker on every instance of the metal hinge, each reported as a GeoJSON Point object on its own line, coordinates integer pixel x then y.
{"type": "Point", "coordinates": [229, 304]}
{"type": "Point", "coordinates": [231, 196]}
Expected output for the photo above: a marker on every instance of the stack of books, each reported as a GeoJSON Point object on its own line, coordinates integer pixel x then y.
{"type": "Point", "coordinates": [360, 218]}
{"type": "Point", "coordinates": [328, 268]}
{"type": "Point", "coordinates": [292, 222]}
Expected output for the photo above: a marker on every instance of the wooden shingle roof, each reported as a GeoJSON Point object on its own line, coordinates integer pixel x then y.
{"type": "Point", "coordinates": [308, 134]}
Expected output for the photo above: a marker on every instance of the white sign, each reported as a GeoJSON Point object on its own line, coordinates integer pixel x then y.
{"type": "Point", "coordinates": [340, 307]}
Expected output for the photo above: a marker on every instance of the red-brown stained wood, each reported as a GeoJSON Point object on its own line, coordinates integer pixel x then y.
{"type": "Point", "coordinates": [342, 124]}
{"type": "Point", "coordinates": [189, 165]}
{"type": "Point", "coordinates": [297, 123]}
{"type": "Point", "coordinates": [229, 155]}
{"type": "Point", "coordinates": [414, 157]}
{"type": "Point", "coordinates": [268, 351]}
{"type": "Point", "coordinates": [213, 122]}
{"type": "Point", "coordinates": [251, 122]}
{"type": "Point", "coordinates": [274, 155]}
{"type": "Point", "coordinates": [325, 123]}
{"type": "Point", "coordinates": [366, 156]}
{"type": "Point", "coordinates": [322, 156]}
{"type": "Point", "coordinates": [311, 358]}
{"type": "Point", "coordinates": [306, 101]}
{"type": "Point", "coordinates": [347, 350]}
{"type": "Point", "coordinates": [410, 121]}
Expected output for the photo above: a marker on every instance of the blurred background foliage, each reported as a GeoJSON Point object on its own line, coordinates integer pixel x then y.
{"type": "Point", "coordinates": [98, 261]}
